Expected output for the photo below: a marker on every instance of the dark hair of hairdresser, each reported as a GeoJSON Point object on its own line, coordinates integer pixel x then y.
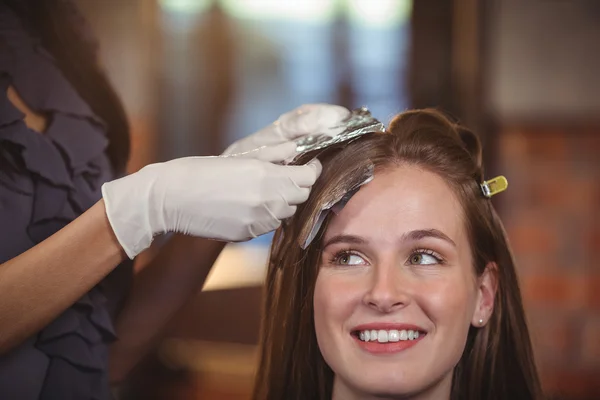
{"type": "Point", "coordinates": [497, 362]}
{"type": "Point", "coordinates": [64, 34]}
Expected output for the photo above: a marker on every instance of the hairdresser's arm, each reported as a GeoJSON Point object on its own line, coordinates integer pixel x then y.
{"type": "Point", "coordinates": [226, 198]}
{"type": "Point", "coordinates": [36, 286]}
{"type": "Point", "coordinates": [160, 290]}
{"type": "Point", "coordinates": [232, 198]}
{"type": "Point", "coordinates": [181, 268]}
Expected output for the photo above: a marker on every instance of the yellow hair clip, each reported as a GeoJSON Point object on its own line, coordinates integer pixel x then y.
{"type": "Point", "coordinates": [494, 186]}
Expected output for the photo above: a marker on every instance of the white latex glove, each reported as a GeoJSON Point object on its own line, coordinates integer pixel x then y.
{"type": "Point", "coordinates": [308, 119]}
{"type": "Point", "coordinates": [231, 198]}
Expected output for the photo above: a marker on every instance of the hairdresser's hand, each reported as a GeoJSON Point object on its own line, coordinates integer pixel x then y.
{"type": "Point", "coordinates": [230, 198]}
{"type": "Point", "coordinates": [309, 119]}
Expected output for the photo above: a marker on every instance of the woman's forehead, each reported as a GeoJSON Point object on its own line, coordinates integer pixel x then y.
{"type": "Point", "coordinates": [399, 200]}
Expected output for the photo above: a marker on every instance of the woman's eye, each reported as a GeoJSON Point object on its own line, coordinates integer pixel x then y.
{"type": "Point", "coordinates": [423, 259]}
{"type": "Point", "coordinates": [349, 259]}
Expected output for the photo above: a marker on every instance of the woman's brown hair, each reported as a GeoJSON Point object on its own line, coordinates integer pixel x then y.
{"type": "Point", "coordinates": [497, 362]}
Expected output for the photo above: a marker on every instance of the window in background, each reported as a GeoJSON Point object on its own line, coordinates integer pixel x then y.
{"type": "Point", "coordinates": [377, 50]}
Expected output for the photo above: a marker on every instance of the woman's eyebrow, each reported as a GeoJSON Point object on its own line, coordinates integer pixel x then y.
{"type": "Point", "coordinates": [424, 233]}
{"type": "Point", "coordinates": [350, 239]}
{"type": "Point", "coordinates": [406, 237]}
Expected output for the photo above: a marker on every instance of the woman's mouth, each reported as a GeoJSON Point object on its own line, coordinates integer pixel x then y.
{"type": "Point", "coordinates": [385, 336]}
{"type": "Point", "coordinates": [387, 340]}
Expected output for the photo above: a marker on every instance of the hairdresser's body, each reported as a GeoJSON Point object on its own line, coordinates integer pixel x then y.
{"type": "Point", "coordinates": [66, 236]}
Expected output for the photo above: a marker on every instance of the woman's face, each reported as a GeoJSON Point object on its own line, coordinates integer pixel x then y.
{"type": "Point", "coordinates": [396, 290]}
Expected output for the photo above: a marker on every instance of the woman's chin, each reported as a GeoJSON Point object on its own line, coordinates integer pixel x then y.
{"type": "Point", "coordinates": [384, 384]}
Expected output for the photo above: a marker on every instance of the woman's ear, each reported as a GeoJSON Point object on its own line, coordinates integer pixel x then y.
{"type": "Point", "coordinates": [487, 285]}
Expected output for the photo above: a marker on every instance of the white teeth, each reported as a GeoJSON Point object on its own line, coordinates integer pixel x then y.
{"type": "Point", "coordinates": [383, 336]}
{"type": "Point", "coordinates": [373, 336]}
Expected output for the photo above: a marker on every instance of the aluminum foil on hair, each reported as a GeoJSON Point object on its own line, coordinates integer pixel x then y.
{"type": "Point", "coordinates": [359, 122]}
{"type": "Point", "coordinates": [341, 197]}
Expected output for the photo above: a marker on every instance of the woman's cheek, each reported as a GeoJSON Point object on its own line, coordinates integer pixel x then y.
{"type": "Point", "coordinates": [445, 298]}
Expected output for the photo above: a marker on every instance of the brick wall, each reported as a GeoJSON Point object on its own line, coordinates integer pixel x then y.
{"type": "Point", "coordinates": [552, 214]}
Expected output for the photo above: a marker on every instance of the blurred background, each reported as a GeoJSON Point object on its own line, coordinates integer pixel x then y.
{"type": "Point", "coordinates": [197, 74]}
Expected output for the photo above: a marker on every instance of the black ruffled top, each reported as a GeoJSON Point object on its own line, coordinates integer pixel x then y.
{"type": "Point", "coordinates": [46, 181]}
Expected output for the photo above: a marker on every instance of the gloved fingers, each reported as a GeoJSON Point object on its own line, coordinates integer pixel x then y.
{"type": "Point", "coordinates": [277, 153]}
{"type": "Point", "coordinates": [295, 194]}
{"type": "Point", "coordinates": [287, 212]}
{"type": "Point", "coordinates": [308, 119]}
{"type": "Point", "coordinates": [280, 209]}
{"type": "Point", "coordinates": [312, 119]}
{"type": "Point", "coordinates": [264, 226]}
{"type": "Point", "coordinates": [304, 175]}
{"type": "Point", "coordinates": [268, 136]}
{"type": "Point", "coordinates": [277, 133]}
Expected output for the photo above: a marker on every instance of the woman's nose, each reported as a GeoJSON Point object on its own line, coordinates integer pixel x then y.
{"type": "Point", "coordinates": [388, 289]}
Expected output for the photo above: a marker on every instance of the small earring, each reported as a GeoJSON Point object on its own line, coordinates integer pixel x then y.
{"type": "Point", "coordinates": [480, 322]}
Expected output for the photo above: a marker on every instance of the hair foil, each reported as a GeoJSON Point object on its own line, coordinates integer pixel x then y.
{"type": "Point", "coordinates": [359, 122]}
{"type": "Point", "coordinates": [341, 197]}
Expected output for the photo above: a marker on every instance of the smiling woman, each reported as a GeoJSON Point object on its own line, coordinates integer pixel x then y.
{"type": "Point", "coordinates": [409, 291]}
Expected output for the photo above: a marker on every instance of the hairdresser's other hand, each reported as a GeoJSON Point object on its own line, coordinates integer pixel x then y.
{"type": "Point", "coordinates": [230, 198]}
{"type": "Point", "coordinates": [308, 119]}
